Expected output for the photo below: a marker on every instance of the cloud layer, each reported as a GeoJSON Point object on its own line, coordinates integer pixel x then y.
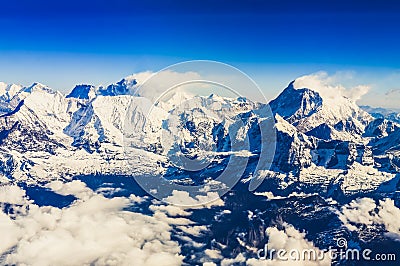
{"type": "Point", "coordinates": [367, 212]}
{"type": "Point", "coordinates": [94, 230]}
{"type": "Point", "coordinates": [289, 238]}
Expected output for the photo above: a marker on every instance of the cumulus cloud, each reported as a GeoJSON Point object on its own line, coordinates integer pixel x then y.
{"type": "Point", "coordinates": [12, 195]}
{"type": "Point", "coordinates": [93, 230]}
{"type": "Point", "coordinates": [213, 253]}
{"type": "Point", "coordinates": [240, 259]}
{"type": "Point", "coordinates": [366, 211]}
{"type": "Point", "coordinates": [289, 239]}
{"type": "Point", "coordinates": [330, 87]}
{"type": "Point", "coordinates": [10, 233]}
{"type": "Point", "coordinates": [209, 264]}
{"type": "Point", "coordinates": [182, 198]}
{"type": "Point", "coordinates": [153, 85]}
{"type": "Point", "coordinates": [171, 210]}
{"type": "Point", "coordinates": [193, 230]}
{"type": "Point", "coordinates": [75, 187]}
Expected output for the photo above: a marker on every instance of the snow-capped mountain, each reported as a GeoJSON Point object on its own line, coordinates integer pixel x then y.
{"type": "Point", "coordinates": [83, 91]}
{"type": "Point", "coordinates": [327, 152]}
{"type": "Point", "coordinates": [315, 132]}
{"type": "Point", "coordinates": [7, 95]}
{"type": "Point", "coordinates": [388, 114]}
{"type": "Point", "coordinates": [122, 87]}
{"type": "Point", "coordinates": [329, 116]}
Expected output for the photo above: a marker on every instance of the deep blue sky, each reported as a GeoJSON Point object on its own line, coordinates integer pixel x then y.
{"type": "Point", "coordinates": [61, 43]}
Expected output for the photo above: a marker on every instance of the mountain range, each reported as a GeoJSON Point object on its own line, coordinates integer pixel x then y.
{"type": "Point", "coordinates": [323, 152]}
{"type": "Point", "coordinates": [46, 135]}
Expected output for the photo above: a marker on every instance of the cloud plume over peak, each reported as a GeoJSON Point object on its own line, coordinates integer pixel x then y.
{"type": "Point", "coordinates": [330, 86]}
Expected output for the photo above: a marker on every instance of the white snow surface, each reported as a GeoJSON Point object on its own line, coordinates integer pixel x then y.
{"type": "Point", "coordinates": [51, 136]}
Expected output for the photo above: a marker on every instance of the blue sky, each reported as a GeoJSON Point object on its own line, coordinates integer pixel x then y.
{"type": "Point", "coordinates": [61, 43]}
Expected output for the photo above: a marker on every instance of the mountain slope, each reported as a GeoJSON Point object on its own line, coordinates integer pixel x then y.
{"type": "Point", "coordinates": [47, 135]}
{"type": "Point", "coordinates": [326, 116]}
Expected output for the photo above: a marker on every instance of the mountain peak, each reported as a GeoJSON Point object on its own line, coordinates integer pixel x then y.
{"type": "Point", "coordinates": [83, 91]}
{"type": "Point", "coordinates": [316, 108]}
{"type": "Point", "coordinates": [296, 103]}
{"type": "Point", "coordinates": [7, 91]}
{"type": "Point", "coordinates": [38, 87]}
{"type": "Point", "coordinates": [122, 87]}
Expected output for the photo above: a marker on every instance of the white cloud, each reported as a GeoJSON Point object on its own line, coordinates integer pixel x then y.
{"type": "Point", "coordinates": [357, 92]}
{"type": "Point", "coordinates": [366, 211]}
{"type": "Point", "coordinates": [209, 264]}
{"type": "Point", "coordinates": [153, 85]}
{"type": "Point", "coordinates": [170, 210]}
{"type": "Point", "coordinates": [289, 239]}
{"type": "Point", "coordinates": [162, 216]}
{"type": "Point", "coordinates": [358, 211]}
{"type": "Point", "coordinates": [193, 230]}
{"type": "Point", "coordinates": [12, 195]}
{"type": "Point", "coordinates": [10, 233]}
{"type": "Point", "coordinates": [182, 198]}
{"type": "Point", "coordinates": [75, 187]}
{"type": "Point", "coordinates": [213, 254]}
{"type": "Point", "coordinates": [94, 230]}
{"type": "Point", "coordinates": [238, 259]}
{"type": "Point", "coordinates": [330, 87]}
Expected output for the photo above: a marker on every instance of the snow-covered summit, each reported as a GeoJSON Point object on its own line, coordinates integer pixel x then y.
{"type": "Point", "coordinates": [295, 104]}
{"type": "Point", "coordinates": [122, 87]}
{"type": "Point", "coordinates": [126, 86]}
{"type": "Point", "coordinates": [38, 87]}
{"type": "Point", "coordinates": [322, 111]}
{"type": "Point", "coordinates": [8, 91]}
{"type": "Point", "coordinates": [83, 91]}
